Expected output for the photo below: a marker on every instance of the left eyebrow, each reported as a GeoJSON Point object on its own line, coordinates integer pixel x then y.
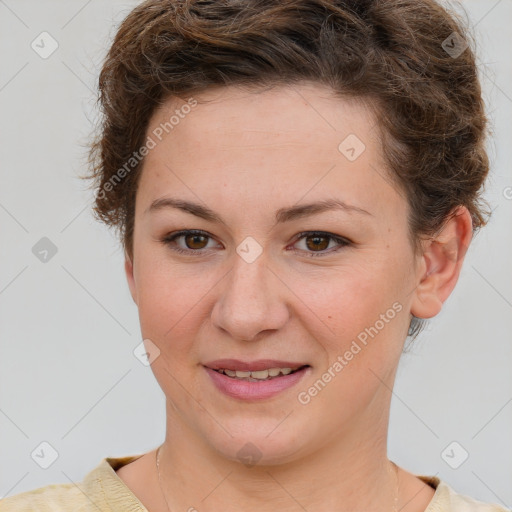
{"type": "Point", "coordinates": [281, 216]}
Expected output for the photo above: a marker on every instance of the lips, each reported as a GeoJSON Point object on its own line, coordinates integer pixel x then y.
{"type": "Point", "coordinates": [253, 366]}
{"type": "Point", "coordinates": [258, 375]}
{"type": "Point", "coordinates": [250, 389]}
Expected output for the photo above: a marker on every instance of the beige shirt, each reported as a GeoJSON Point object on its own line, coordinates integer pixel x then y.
{"type": "Point", "coordinates": [103, 491]}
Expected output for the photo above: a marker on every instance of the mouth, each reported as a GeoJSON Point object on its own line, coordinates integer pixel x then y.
{"type": "Point", "coordinates": [259, 375]}
{"type": "Point", "coordinates": [256, 380]}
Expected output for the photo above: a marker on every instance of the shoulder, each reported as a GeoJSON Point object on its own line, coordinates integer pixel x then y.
{"type": "Point", "coordinates": [462, 503]}
{"type": "Point", "coordinates": [55, 497]}
{"type": "Point", "coordinates": [446, 499]}
{"type": "Point", "coordinates": [100, 491]}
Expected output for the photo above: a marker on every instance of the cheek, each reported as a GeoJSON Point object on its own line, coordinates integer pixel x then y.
{"type": "Point", "coordinates": [347, 299]}
{"type": "Point", "coordinates": [364, 322]}
{"type": "Point", "coordinates": [168, 308]}
{"type": "Point", "coordinates": [169, 301]}
{"type": "Point", "coordinates": [362, 345]}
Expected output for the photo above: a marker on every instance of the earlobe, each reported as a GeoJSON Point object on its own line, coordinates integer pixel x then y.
{"type": "Point", "coordinates": [128, 268]}
{"type": "Point", "coordinates": [441, 264]}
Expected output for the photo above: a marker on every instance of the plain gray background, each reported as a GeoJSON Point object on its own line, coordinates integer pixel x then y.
{"type": "Point", "coordinates": [68, 326]}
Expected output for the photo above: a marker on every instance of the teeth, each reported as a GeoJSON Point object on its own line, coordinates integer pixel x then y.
{"type": "Point", "coordinates": [261, 374]}
{"type": "Point", "coordinates": [257, 375]}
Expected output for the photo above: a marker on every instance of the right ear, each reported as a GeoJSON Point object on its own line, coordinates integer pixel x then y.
{"type": "Point", "coordinates": [128, 268]}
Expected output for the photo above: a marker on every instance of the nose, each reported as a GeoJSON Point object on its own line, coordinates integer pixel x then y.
{"type": "Point", "coordinates": [251, 300]}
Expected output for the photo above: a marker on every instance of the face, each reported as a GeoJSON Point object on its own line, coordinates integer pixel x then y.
{"type": "Point", "coordinates": [264, 278]}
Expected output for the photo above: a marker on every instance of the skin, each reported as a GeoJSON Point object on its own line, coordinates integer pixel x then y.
{"type": "Point", "coordinates": [244, 155]}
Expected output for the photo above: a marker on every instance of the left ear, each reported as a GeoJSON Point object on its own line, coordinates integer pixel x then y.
{"type": "Point", "coordinates": [441, 263]}
{"type": "Point", "coordinates": [128, 269]}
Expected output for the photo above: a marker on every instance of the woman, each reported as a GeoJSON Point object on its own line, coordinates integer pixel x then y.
{"type": "Point", "coordinates": [296, 185]}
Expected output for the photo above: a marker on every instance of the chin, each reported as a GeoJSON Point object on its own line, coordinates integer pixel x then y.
{"type": "Point", "coordinates": [265, 446]}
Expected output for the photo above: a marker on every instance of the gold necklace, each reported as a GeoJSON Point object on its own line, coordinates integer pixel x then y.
{"type": "Point", "coordinates": [395, 508]}
{"type": "Point", "coordinates": [159, 479]}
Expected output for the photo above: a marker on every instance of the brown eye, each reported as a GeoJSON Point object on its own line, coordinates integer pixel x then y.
{"type": "Point", "coordinates": [194, 242]}
{"type": "Point", "coordinates": [317, 243]}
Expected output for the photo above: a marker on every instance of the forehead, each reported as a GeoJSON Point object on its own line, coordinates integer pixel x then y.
{"type": "Point", "coordinates": [294, 113]}
{"type": "Point", "coordinates": [283, 142]}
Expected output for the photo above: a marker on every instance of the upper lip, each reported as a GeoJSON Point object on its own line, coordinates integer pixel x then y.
{"type": "Point", "coordinates": [248, 366]}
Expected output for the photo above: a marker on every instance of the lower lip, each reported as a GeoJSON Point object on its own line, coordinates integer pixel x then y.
{"type": "Point", "coordinates": [247, 390]}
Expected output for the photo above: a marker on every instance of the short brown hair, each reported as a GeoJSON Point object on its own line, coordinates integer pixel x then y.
{"type": "Point", "coordinates": [393, 53]}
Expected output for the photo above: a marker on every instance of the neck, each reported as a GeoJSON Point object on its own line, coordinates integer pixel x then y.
{"type": "Point", "coordinates": [350, 472]}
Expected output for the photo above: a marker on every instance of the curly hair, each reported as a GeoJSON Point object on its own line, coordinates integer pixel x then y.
{"type": "Point", "coordinates": [412, 59]}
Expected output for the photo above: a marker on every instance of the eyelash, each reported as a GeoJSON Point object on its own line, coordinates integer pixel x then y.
{"type": "Point", "coordinates": [169, 241]}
